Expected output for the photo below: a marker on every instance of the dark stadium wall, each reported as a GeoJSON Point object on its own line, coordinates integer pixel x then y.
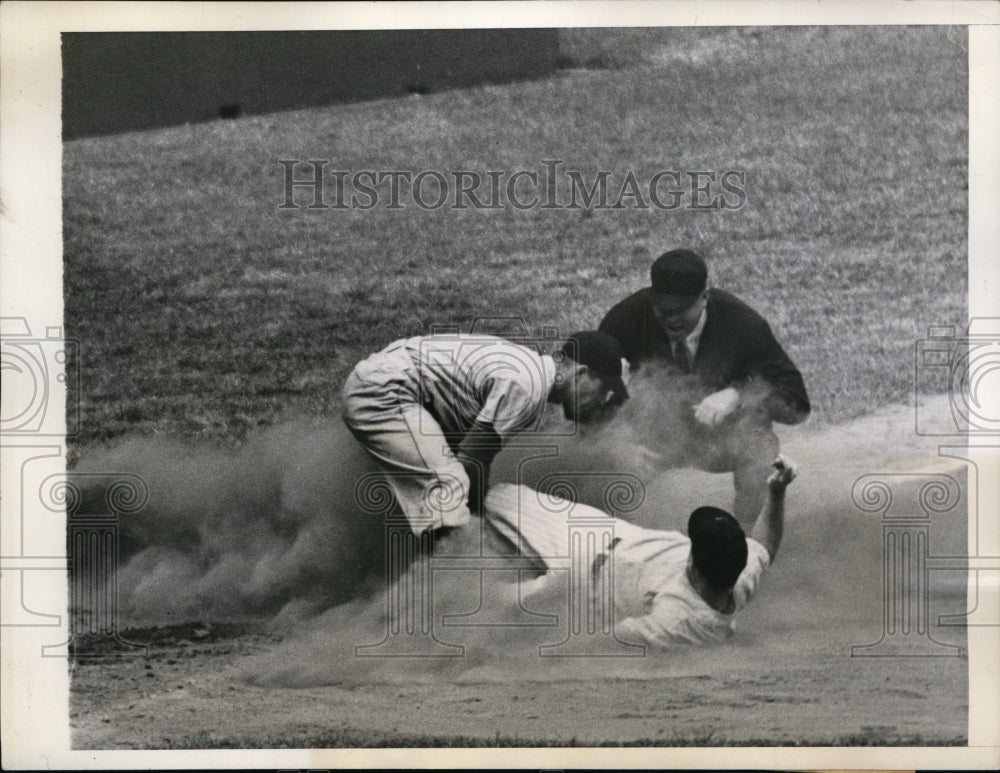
{"type": "Point", "coordinates": [123, 81]}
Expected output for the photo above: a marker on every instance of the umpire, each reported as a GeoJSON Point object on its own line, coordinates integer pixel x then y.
{"type": "Point", "coordinates": [742, 379]}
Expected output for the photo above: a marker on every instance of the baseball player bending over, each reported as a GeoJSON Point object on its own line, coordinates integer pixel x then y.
{"type": "Point", "coordinates": [435, 410]}
{"type": "Point", "coordinates": [668, 589]}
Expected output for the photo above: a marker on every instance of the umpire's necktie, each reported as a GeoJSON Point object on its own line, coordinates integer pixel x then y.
{"type": "Point", "coordinates": [681, 356]}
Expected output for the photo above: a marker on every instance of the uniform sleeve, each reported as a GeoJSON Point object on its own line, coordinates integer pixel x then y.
{"type": "Point", "coordinates": [758, 561]}
{"type": "Point", "coordinates": [672, 623]}
{"type": "Point", "coordinates": [786, 400]}
{"type": "Point", "coordinates": [613, 323]}
{"type": "Point", "coordinates": [624, 323]}
{"type": "Point", "coordinates": [510, 407]}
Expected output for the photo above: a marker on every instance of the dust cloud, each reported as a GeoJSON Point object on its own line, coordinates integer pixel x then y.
{"type": "Point", "coordinates": [272, 531]}
{"type": "Point", "coordinates": [272, 528]}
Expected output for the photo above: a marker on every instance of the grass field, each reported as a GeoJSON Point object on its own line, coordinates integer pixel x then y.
{"type": "Point", "coordinates": [203, 310]}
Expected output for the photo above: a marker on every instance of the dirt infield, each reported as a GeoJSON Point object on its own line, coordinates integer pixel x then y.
{"type": "Point", "coordinates": [788, 677]}
{"type": "Point", "coordinates": [190, 694]}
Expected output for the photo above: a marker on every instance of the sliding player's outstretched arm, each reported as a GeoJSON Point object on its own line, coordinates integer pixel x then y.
{"type": "Point", "coordinates": [770, 523]}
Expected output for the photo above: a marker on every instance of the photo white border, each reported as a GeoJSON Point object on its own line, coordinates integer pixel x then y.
{"type": "Point", "coordinates": [35, 690]}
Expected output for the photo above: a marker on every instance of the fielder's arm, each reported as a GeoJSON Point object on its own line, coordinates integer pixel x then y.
{"type": "Point", "coordinates": [476, 453]}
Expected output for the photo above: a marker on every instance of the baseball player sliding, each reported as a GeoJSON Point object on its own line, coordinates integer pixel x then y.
{"type": "Point", "coordinates": [434, 411]}
{"type": "Point", "coordinates": [669, 589]}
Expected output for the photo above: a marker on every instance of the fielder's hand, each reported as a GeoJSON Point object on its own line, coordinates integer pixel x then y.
{"type": "Point", "coordinates": [717, 406]}
{"type": "Point", "coordinates": [784, 473]}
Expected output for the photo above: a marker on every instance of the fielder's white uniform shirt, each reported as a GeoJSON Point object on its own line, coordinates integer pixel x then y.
{"type": "Point", "coordinates": [409, 403]}
{"type": "Point", "coordinates": [463, 379]}
{"type": "Point", "coordinates": [654, 602]}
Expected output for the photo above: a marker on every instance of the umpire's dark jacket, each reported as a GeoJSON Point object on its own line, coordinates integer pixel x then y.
{"type": "Point", "coordinates": [736, 345]}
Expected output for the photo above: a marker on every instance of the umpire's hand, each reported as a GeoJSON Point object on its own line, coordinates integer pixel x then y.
{"type": "Point", "coordinates": [717, 406]}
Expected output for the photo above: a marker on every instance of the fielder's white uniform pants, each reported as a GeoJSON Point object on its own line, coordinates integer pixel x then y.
{"type": "Point", "coordinates": [382, 410]}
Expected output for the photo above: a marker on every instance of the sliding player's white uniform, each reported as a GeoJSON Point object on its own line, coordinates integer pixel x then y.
{"type": "Point", "coordinates": [654, 602]}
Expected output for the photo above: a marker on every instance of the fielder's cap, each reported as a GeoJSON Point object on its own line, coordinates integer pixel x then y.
{"type": "Point", "coordinates": [603, 355]}
{"type": "Point", "coordinates": [679, 272]}
{"type": "Point", "coordinates": [718, 546]}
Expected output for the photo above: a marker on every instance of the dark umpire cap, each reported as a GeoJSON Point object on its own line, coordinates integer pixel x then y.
{"type": "Point", "coordinates": [718, 546]}
{"type": "Point", "coordinates": [603, 355]}
{"type": "Point", "coordinates": [679, 272]}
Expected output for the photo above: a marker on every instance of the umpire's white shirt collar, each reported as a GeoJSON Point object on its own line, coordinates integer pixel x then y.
{"type": "Point", "coordinates": [694, 338]}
